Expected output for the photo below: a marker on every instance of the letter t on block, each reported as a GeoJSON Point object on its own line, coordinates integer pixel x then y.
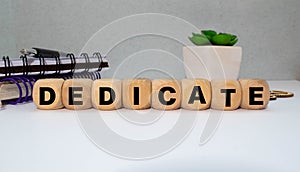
{"type": "Point", "coordinates": [47, 94]}
{"type": "Point", "coordinates": [226, 94]}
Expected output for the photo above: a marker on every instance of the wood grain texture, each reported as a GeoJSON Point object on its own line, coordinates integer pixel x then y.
{"type": "Point", "coordinates": [135, 86]}
{"type": "Point", "coordinates": [115, 85]}
{"type": "Point", "coordinates": [158, 85]}
{"type": "Point", "coordinates": [80, 89]}
{"type": "Point", "coordinates": [56, 86]}
{"type": "Point", "coordinates": [191, 86]}
{"type": "Point", "coordinates": [255, 93]}
{"type": "Point", "coordinates": [219, 101]}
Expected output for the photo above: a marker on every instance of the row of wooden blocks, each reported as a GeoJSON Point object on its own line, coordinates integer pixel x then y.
{"type": "Point", "coordinates": [141, 93]}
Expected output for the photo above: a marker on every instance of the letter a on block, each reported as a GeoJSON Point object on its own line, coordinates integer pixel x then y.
{"type": "Point", "coordinates": [255, 93]}
{"type": "Point", "coordinates": [47, 94]}
{"type": "Point", "coordinates": [196, 94]}
{"type": "Point", "coordinates": [106, 94]}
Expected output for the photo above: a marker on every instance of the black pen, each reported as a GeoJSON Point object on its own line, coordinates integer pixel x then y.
{"type": "Point", "coordinates": [41, 52]}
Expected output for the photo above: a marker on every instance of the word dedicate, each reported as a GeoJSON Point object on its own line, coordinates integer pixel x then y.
{"type": "Point", "coordinates": [141, 93]}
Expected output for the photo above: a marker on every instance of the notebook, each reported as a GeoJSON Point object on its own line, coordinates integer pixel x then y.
{"type": "Point", "coordinates": [17, 76]}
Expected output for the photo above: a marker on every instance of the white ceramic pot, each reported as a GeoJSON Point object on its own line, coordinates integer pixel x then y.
{"type": "Point", "coordinates": [212, 62]}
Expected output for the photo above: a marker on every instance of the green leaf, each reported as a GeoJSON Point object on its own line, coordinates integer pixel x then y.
{"type": "Point", "coordinates": [221, 39]}
{"type": "Point", "coordinates": [233, 37]}
{"type": "Point", "coordinates": [232, 42]}
{"type": "Point", "coordinates": [196, 34]}
{"type": "Point", "coordinates": [202, 35]}
{"type": "Point", "coordinates": [199, 39]}
{"type": "Point", "coordinates": [208, 37]}
{"type": "Point", "coordinates": [209, 33]}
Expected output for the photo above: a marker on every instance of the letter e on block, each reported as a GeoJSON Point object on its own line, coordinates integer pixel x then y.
{"type": "Point", "coordinates": [76, 94]}
{"type": "Point", "coordinates": [226, 94]}
{"type": "Point", "coordinates": [255, 93]}
{"type": "Point", "coordinates": [166, 94]}
{"type": "Point", "coordinates": [107, 94]}
{"type": "Point", "coordinates": [196, 94]}
{"type": "Point", "coordinates": [47, 94]}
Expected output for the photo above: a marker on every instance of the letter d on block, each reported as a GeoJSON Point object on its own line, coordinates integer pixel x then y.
{"type": "Point", "coordinates": [106, 94]}
{"type": "Point", "coordinates": [47, 94]}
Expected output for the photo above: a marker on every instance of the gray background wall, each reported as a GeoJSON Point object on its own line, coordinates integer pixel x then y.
{"type": "Point", "coordinates": [268, 29]}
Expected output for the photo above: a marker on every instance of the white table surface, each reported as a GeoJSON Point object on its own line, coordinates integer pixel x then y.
{"type": "Point", "coordinates": [246, 140]}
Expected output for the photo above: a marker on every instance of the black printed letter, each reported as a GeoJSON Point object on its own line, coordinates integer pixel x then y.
{"type": "Point", "coordinates": [161, 96]}
{"type": "Point", "coordinates": [112, 96]}
{"type": "Point", "coordinates": [72, 95]}
{"type": "Point", "coordinates": [228, 96]}
{"type": "Point", "coordinates": [194, 97]}
{"type": "Point", "coordinates": [42, 95]}
{"type": "Point", "coordinates": [252, 95]}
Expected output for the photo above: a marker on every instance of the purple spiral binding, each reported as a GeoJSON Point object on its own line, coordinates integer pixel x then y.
{"type": "Point", "coordinates": [23, 99]}
{"type": "Point", "coordinates": [20, 80]}
{"type": "Point", "coordinates": [29, 98]}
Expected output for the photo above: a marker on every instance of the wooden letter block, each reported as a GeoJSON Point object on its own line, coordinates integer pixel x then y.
{"type": "Point", "coordinates": [136, 93]}
{"type": "Point", "coordinates": [76, 94]}
{"type": "Point", "coordinates": [196, 94]}
{"type": "Point", "coordinates": [255, 93]}
{"type": "Point", "coordinates": [166, 94]}
{"type": "Point", "coordinates": [226, 94]}
{"type": "Point", "coordinates": [107, 94]}
{"type": "Point", "coordinates": [47, 94]}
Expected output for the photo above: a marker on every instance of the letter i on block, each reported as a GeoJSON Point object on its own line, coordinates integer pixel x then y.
{"type": "Point", "coordinates": [107, 94]}
{"type": "Point", "coordinates": [166, 94]}
{"type": "Point", "coordinates": [226, 94]}
{"type": "Point", "coordinates": [76, 94]}
{"type": "Point", "coordinates": [256, 93]}
{"type": "Point", "coordinates": [196, 94]}
{"type": "Point", "coordinates": [47, 94]}
{"type": "Point", "coordinates": [136, 93]}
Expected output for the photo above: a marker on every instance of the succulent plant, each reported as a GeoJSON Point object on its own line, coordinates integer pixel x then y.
{"type": "Point", "coordinates": [210, 37]}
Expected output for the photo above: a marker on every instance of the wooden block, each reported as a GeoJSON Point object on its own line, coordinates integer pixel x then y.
{"type": "Point", "coordinates": [136, 93]}
{"type": "Point", "coordinates": [107, 94]}
{"type": "Point", "coordinates": [196, 94]}
{"type": "Point", "coordinates": [166, 94]}
{"type": "Point", "coordinates": [255, 93]}
{"type": "Point", "coordinates": [226, 94]}
{"type": "Point", "coordinates": [76, 94]}
{"type": "Point", "coordinates": [47, 94]}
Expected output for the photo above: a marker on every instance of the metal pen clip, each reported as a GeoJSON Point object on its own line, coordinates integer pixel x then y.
{"type": "Point", "coordinates": [28, 52]}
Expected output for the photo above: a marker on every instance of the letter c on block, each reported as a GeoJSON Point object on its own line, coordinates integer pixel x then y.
{"type": "Point", "coordinates": [161, 97]}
